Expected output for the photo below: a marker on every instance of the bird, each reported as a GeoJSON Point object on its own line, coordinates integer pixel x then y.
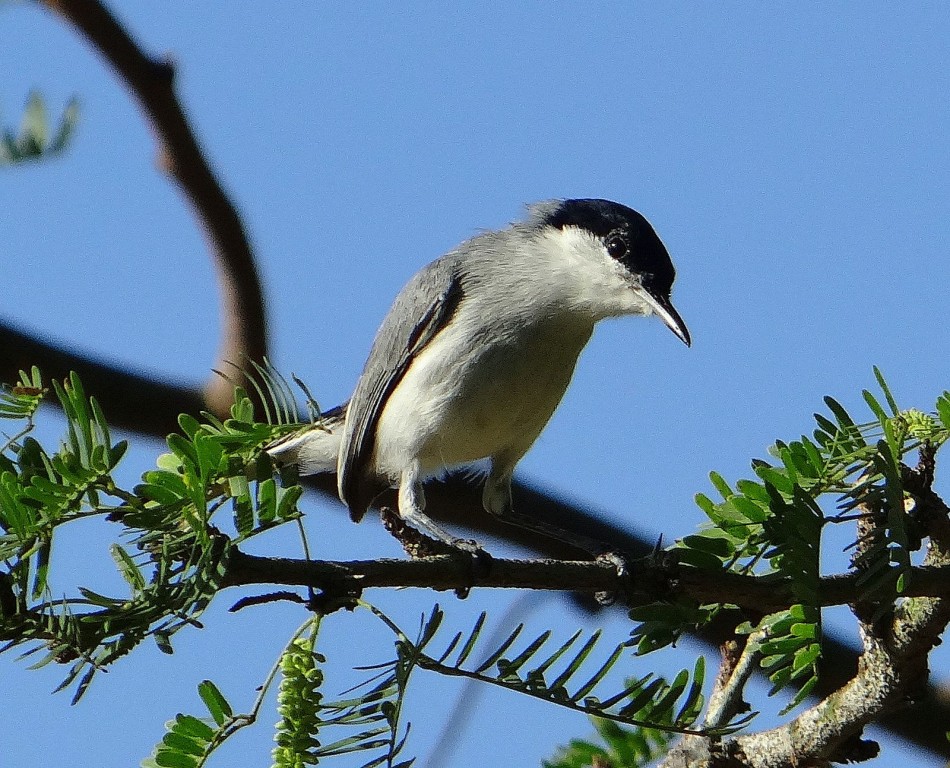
{"type": "Point", "coordinates": [476, 352]}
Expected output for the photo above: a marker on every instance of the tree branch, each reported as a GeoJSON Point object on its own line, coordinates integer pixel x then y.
{"type": "Point", "coordinates": [892, 671]}
{"type": "Point", "coordinates": [646, 580]}
{"type": "Point", "coordinates": [151, 81]}
{"type": "Point", "coordinates": [739, 661]}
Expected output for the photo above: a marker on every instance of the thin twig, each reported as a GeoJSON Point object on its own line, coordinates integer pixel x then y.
{"type": "Point", "coordinates": [726, 700]}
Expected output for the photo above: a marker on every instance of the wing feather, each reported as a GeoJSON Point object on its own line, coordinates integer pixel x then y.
{"type": "Point", "coordinates": [419, 312]}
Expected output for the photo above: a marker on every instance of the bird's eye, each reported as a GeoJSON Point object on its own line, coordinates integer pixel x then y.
{"type": "Point", "coordinates": [616, 247]}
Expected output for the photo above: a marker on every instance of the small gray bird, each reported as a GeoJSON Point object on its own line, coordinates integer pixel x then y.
{"type": "Point", "coordinates": [477, 351]}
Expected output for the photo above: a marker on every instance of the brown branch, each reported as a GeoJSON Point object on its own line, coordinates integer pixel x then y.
{"type": "Point", "coordinates": [919, 722]}
{"type": "Point", "coordinates": [151, 81]}
{"type": "Point", "coordinates": [646, 581]}
{"type": "Point", "coordinates": [892, 670]}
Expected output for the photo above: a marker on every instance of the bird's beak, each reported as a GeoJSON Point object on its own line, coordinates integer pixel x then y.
{"type": "Point", "coordinates": [668, 314]}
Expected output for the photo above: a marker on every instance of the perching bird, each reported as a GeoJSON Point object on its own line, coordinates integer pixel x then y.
{"type": "Point", "coordinates": [477, 351]}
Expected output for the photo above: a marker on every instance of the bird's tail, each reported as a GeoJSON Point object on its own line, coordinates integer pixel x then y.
{"type": "Point", "coordinates": [315, 448]}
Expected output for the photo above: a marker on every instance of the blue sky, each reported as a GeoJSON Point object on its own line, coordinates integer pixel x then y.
{"type": "Point", "coordinates": [793, 157]}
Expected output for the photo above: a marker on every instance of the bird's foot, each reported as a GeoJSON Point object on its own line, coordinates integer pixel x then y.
{"type": "Point", "coordinates": [480, 563]}
{"type": "Point", "coordinates": [619, 562]}
{"type": "Point", "coordinates": [417, 545]}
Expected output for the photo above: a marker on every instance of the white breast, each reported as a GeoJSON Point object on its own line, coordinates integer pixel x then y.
{"type": "Point", "coordinates": [448, 411]}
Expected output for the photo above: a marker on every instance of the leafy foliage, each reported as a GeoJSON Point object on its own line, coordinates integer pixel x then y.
{"type": "Point", "coordinates": [555, 675]}
{"type": "Point", "coordinates": [190, 741]}
{"type": "Point", "coordinates": [621, 746]}
{"type": "Point", "coordinates": [173, 561]}
{"type": "Point", "coordinates": [36, 138]}
{"type": "Point", "coordinates": [772, 526]}
{"type": "Point", "coordinates": [216, 487]}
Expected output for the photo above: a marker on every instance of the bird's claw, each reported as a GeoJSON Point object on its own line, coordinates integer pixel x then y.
{"type": "Point", "coordinates": [480, 562]}
{"type": "Point", "coordinates": [619, 562]}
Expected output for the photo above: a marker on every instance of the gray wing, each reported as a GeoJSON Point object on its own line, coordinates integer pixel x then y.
{"type": "Point", "coordinates": [420, 311]}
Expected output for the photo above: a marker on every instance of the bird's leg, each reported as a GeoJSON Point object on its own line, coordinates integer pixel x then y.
{"type": "Point", "coordinates": [412, 504]}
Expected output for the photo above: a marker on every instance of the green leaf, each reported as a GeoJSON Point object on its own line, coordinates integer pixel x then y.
{"type": "Point", "coordinates": [189, 425]}
{"type": "Point", "coordinates": [802, 694]}
{"type": "Point", "coordinates": [706, 504]}
{"type": "Point", "coordinates": [599, 675]}
{"type": "Point", "coordinates": [469, 646]}
{"type": "Point", "coordinates": [633, 708]}
{"type": "Point", "coordinates": [714, 545]}
{"type": "Point", "coordinates": [698, 559]}
{"type": "Point", "coordinates": [809, 631]}
{"type": "Point", "coordinates": [693, 703]}
{"type": "Point", "coordinates": [167, 758]}
{"type": "Point", "coordinates": [664, 705]}
{"type": "Point", "coordinates": [844, 419]}
{"type": "Point", "coordinates": [780, 647]}
{"type": "Point", "coordinates": [492, 658]}
{"type": "Point", "coordinates": [776, 478]}
{"type": "Point", "coordinates": [215, 702]}
{"type": "Point", "coordinates": [178, 742]}
{"type": "Point", "coordinates": [753, 491]}
{"type": "Point", "coordinates": [510, 667]}
{"type": "Point", "coordinates": [67, 127]}
{"type": "Point", "coordinates": [164, 488]}
{"type": "Point", "coordinates": [193, 727]}
{"type": "Point", "coordinates": [875, 406]}
{"type": "Point", "coordinates": [33, 128]}
{"type": "Point", "coordinates": [806, 657]}
{"type": "Point", "coordinates": [891, 402]}
{"type": "Point", "coordinates": [287, 499]}
{"type": "Point", "coordinates": [752, 509]}
{"type": "Point", "coordinates": [576, 663]}
{"type": "Point", "coordinates": [721, 485]}
{"type": "Point", "coordinates": [184, 449]}
{"type": "Point", "coordinates": [431, 626]}
{"type": "Point", "coordinates": [538, 671]}
{"type": "Point", "coordinates": [127, 567]}
{"type": "Point", "coordinates": [943, 409]}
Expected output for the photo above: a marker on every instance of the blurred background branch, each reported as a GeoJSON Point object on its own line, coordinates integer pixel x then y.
{"type": "Point", "coordinates": [152, 82]}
